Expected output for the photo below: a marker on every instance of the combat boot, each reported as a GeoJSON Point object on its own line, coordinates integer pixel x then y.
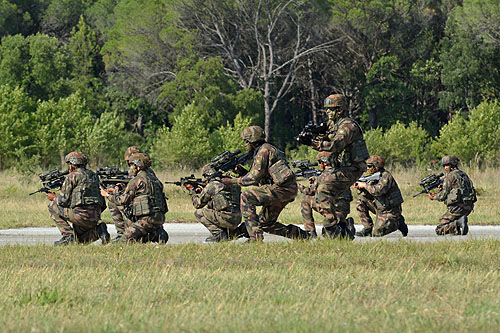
{"type": "Point", "coordinates": [240, 231]}
{"type": "Point", "coordinates": [350, 227]}
{"type": "Point", "coordinates": [118, 238]}
{"type": "Point", "coordinates": [313, 234]}
{"type": "Point", "coordinates": [295, 232]}
{"type": "Point", "coordinates": [65, 240]}
{"type": "Point", "coordinates": [462, 226]}
{"type": "Point", "coordinates": [365, 232]}
{"type": "Point", "coordinates": [102, 231]}
{"type": "Point", "coordinates": [161, 236]}
{"type": "Point", "coordinates": [217, 237]}
{"type": "Point", "coordinates": [337, 231]}
{"type": "Point", "coordinates": [402, 226]}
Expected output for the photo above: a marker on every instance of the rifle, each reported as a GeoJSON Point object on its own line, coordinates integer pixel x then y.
{"type": "Point", "coordinates": [305, 169]}
{"type": "Point", "coordinates": [311, 132]}
{"type": "Point", "coordinates": [227, 161]}
{"type": "Point", "coordinates": [195, 182]}
{"type": "Point", "coordinates": [370, 178]}
{"type": "Point", "coordinates": [112, 176]}
{"type": "Point", "coordinates": [51, 180]}
{"type": "Point", "coordinates": [430, 182]}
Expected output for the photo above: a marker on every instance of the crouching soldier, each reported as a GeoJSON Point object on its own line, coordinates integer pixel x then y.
{"type": "Point", "coordinates": [334, 213]}
{"type": "Point", "coordinates": [458, 194]}
{"type": "Point", "coordinates": [218, 208]}
{"type": "Point", "coordinates": [78, 202]}
{"type": "Point", "coordinates": [144, 199]}
{"type": "Point", "coordinates": [383, 198]}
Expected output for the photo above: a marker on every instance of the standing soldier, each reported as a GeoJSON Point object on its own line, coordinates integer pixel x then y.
{"type": "Point", "coordinates": [458, 194]}
{"type": "Point", "coordinates": [276, 187]}
{"type": "Point", "coordinates": [78, 202]}
{"type": "Point", "coordinates": [145, 200]}
{"type": "Point", "coordinates": [383, 198]}
{"type": "Point", "coordinates": [218, 208]}
{"type": "Point", "coordinates": [344, 139]}
{"type": "Point", "coordinates": [341, 204]}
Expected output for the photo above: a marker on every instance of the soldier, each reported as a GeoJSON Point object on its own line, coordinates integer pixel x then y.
{"type": "Point", "coordinates": [383, 198]}
{"type": "Point", "coordinates": [345, 140]}
{"type": "Point", "coordinates": [145, 200]}
{"type": "Point", "coordinates": [78, 202]}
{"type": "Point", "coordinates": [458, 194]}
{"type": "Point", "coordinates": [276, 187]}
{"type": "Point", "coordinates": [218, 208]}
{"type": "Point", "coordinates": [309, 203]}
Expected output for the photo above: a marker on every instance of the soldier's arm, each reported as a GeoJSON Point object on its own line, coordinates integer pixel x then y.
{"type": "Point", "coordinates": [258, 170]}
{"type": "Point", "coordinates": [63, 198]}
{"type": "Point", "coordinates": [383, 185]}
{"type": "Point", "coordinates": [339, 140]}
{"type": "Point", "coordinates": [202, 199]}
{"type": "Point", "coordinates": [445, 189]}
{"type": "Point", "coordinates": [128, 195]}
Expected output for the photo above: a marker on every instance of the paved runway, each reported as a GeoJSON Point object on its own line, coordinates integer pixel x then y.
{"type": "Point", "coordinates": [196, 233]}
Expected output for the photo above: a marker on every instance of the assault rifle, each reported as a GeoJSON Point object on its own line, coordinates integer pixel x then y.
{"type": "Point", "coordinates": [370, 178]}
{"type": "Point", "coordinates": [195, 182]}
{"type": "Point", "coordinates": [305, 169]}
{"type": "Point", "coordinates": [227, 161]}
{"type": "Point", "coordinates": [112, 176]}
{"type": "Point", "coordinates": [430, 182]}
{"type": "Point", "coordinates": [51, 180]}
{"type": "Point", "coordinates": [311, 132]}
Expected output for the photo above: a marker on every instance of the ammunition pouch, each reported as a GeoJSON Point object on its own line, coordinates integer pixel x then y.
{"type": "Point", "coordinates": [359, 151]}
{"type": "Point", "coordinates": [390, 200]}
{"type": "Point", "coordinates": [141, 206]}
{"type": "Point", "coordinates": [280, 172]}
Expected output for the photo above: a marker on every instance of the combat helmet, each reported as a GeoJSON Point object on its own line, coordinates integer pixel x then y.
{"type": "Point", "coordinates": [140, 160]}
{"type": "Point", "coordinates": [76, 158]}
{"type": "Point", "coordinates": [376, 160]}
{"type": "Point", "coordinates": [253, 134]}
{"type": "Point", "coordinates": [450, 160]}
{"type": "Point", "coordinates": [131, 150]}
{"type": "Point", "coordinates": [335, 101]}
{"type": "Point", "coordinates": [208, 171]}
{"type": "Point", "coordinates": [323, 157]}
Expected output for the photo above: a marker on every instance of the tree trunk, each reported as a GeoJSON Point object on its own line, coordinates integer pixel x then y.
{"type": "Point", "coordinates": [313, 92]}
{"type": "Point", "coordinates": [372, 118]}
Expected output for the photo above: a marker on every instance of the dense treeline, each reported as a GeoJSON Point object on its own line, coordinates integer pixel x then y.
{"type": "Point", "coordinates": [182, 78]}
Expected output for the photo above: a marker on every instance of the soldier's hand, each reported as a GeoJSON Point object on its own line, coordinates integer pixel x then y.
{"type": "Point", "coordinates": [316, 144]}
{"type": "Point", "coordinates": [198, 190]}
{"type": "Point", "coordinates": [51, 196]}
{"type": "Point", "coordinates": [104, 192]}
{"type": "Point", "coordinates": [431, 195]}
{"type": "Point", "coordinates": [311, 179]}
{"type": "Point", "coordinates": [360, 185]}
{"type": "Point", "coordinates": [188, 187]}
{"type": "Point", "coordinates": [227, 181]}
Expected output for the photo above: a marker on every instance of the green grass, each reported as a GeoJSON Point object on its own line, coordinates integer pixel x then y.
{"type": "Point", "coordinates": [285, 286]}
{"type": "Point", "coordinates": [21, 210]}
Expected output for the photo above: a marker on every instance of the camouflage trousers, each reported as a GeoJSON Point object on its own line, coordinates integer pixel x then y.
{"type": "Point", "coordinates": [143, 226]}
{"type": "Point", "coordinates": [83, 218]}
{"type": "Point", "coordinates": [273, 199]}
{"type": "Point", "coordinates": [216, 221]}
{"type": "Point", "coordinates": [447, 223]}
{"type": "Point", "coordinates": [386, 221]}
{"type": "Point", "coordinates": [332, 184]}
{"type": "Point", "coordinates": [341, 208]}
{"type": "Point", "coordinates": [121, 223]}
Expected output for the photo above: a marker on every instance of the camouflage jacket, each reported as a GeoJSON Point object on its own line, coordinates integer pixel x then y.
{"type": "Point", "coordinates": [457, 188]}
{"type": "Point", "coordinates": [385, 191]}
{"type": "Point", "coordinates": [80, 188]}
{"type": "Point", "coordinates": [269, 167]}
{"type": "Point", "coordinates": [324, 177]}
{"type": "Point", "coordinates": [218, 196]}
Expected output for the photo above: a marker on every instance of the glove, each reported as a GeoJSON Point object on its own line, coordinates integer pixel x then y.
{"type": "Point", "coordinates": [316, 144]}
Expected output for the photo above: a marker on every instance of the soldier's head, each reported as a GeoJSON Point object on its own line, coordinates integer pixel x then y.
{"type": "Point", "coordinates": [75, 159]}
{"type": "Point", "coordinates": [131, 150]}
{"type": "Point", "coordinates": [450, 162]}
{"type": "Point", "coordinates": [138, 161]}
{"type": "Point", "coordinates": [323, 159]}
{"type": "Point", "coordinates": [253, 137]}
{"type": "Point", "coordinates": [335, 106]}
{"type": "Point", "coordinates": [208, 171]}
{"type": "Point", "coordinates": [375, 163]}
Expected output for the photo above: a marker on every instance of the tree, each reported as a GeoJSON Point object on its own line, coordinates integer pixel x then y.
{"type": "Point", "coordinates": [261, 42]}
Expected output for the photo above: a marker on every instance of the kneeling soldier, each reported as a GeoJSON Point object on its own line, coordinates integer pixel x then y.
{"type": "Point", "coordinates": [145, 200]}
{"type": "Point", "coordinates": [78, 202]}
{"type": "Point", "coordinates": [383, 198]}
{"type": "Point", "coordinates": [458, 194]}
{"type": "Point", "coordinates": [218, 208]}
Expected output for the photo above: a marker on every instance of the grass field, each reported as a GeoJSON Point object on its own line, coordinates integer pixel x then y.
{"type": "Point", "coordinates": [285, 286]}
{"type": "Point", "coordinates": [21, 210]}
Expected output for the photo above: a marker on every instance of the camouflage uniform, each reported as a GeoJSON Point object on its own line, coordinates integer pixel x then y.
{"type": "Point", "coordinates": [80, 203]}
{"type": "Point", "coordinates": [277, 187]}
{"type": "Point", "coordinates": [218, 207]}
{"type": "Point", "coordinates": [145, 198]}
{"type": "Point", "coordinates": [384, 199]}
{"type": "Point", "coordinates": [459, 195]}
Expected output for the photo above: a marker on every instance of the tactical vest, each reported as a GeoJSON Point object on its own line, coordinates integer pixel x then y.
{"type": "Point", "coordinates": [86, 191]}
{"type": "Point", "coordinates": [356, 151]}
{"type": "Point", "coordinates": [390, 199]}
{"type": "Point", "coordinates": [278, 167]}
{"type": "Point", "coordinates": [228, 199]}
{"type": "Point", "coordinates": [462, 190]}
{"type": "Point", "coordinates": [152, 200]}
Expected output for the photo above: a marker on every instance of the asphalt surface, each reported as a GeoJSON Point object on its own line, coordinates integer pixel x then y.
{"type": "Point", "coordinates": [196, 233]}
